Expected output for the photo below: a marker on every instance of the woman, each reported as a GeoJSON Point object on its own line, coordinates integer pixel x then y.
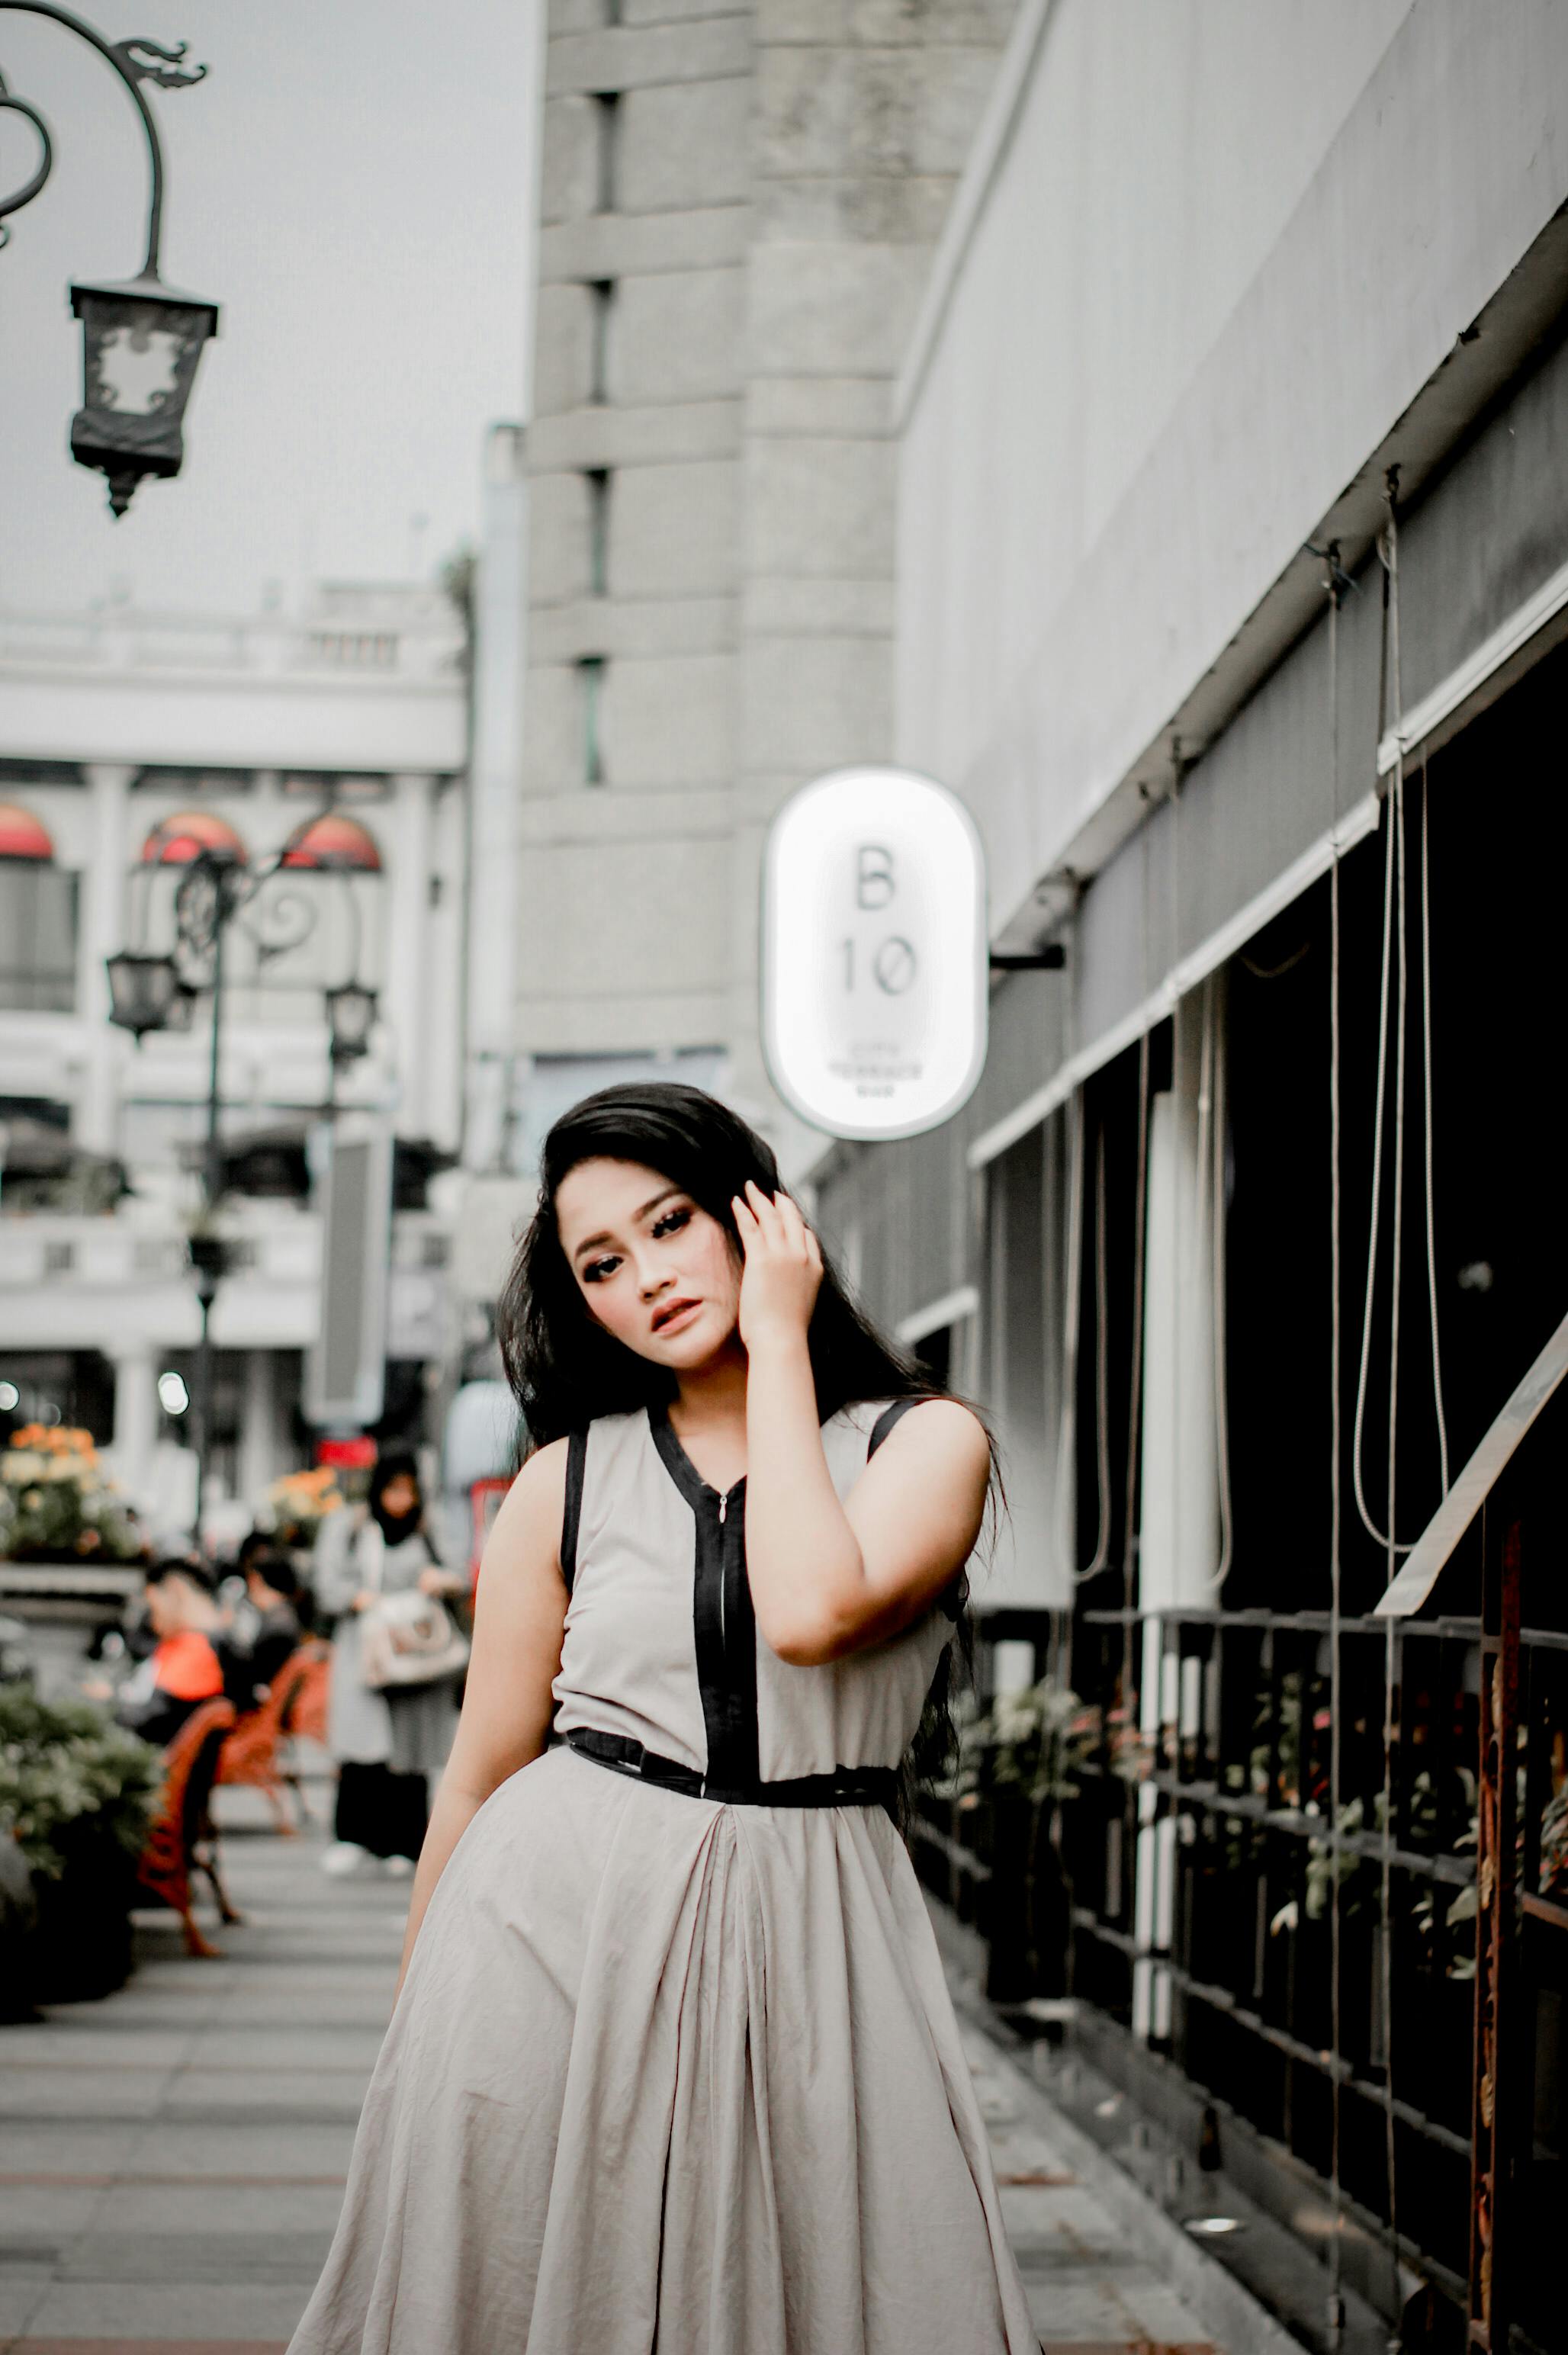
{"type": "Point", "coordinates": [387, 1744]}
{"type": "Point", "coordinates": [674, 2070]}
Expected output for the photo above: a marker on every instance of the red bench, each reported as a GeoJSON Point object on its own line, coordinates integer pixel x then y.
{"type": "Point", "coordinates": [182, 1842]}
{"type": "Point", "coordinates": [295, 1703]}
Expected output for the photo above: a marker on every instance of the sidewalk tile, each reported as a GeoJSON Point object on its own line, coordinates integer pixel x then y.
{"type": "Point", "coordinates": [35, 2091]}
{"type": "Point", "coordinates": [275, 2151]}
{"type": "Point", "coordinates": [232, 2208]}
{"type": "Point", "coordinates": [141, 2346]}
{"type": "Point", "coordinates": [166, 2313]}
{"type": "Point", "coordinates": [187, 2259]}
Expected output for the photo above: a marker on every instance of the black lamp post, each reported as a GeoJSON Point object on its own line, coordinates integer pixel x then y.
{"type": "Point", "coordinates": [141, 339]}
{"type": "Point", "coordinates": [149, 992]}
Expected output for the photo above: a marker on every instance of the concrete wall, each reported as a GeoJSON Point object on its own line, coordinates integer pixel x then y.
{"type": "Point", "coordinates": [764, 198]}
{"type": "Point", "coordinates": [1135, 391]}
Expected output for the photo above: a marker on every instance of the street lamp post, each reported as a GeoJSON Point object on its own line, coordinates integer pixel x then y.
{"type": "Point", "coordinates": [149, 992]}
{"type": "Point", "coordinates": [141, 339]}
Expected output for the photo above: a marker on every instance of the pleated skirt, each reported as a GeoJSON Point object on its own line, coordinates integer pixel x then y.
{"type": "Point", "coordinates": [670, 2078]}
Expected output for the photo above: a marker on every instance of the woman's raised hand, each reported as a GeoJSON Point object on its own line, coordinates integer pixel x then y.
{"type": "Point", "coordinates": [783, 1271]}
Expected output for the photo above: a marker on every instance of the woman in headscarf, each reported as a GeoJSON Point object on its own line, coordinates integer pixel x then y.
{"type": "Point", "coordinates": [387, 1744]}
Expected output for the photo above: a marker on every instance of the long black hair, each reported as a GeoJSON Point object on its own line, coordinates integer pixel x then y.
{"type": "Point", "coordinates": [565, 1369]}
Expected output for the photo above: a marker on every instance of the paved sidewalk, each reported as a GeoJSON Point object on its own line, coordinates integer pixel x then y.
{"type": "Point", "coordinates": [172, 2159]}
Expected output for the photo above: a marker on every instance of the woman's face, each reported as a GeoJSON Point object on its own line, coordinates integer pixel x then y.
{"type": "Point", "coordinates": [657, 1271]}
{"type": "Point", "coordinates": [400, 1496]}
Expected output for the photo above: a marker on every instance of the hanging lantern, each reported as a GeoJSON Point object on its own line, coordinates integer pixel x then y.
{"type": "Point", "coordinates": [143, 991]}
{"type": "Point", "coordinates": [140, 343]}
{"type": "Point", "coordinates": [351, 1017]}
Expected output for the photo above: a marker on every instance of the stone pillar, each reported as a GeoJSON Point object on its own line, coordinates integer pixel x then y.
{"type": "Point", "coordinates": [494, 788]}
{"type": "Point", "coordinates": [100, 933]}
{"type": "Point", "coordinates": [443, 996]}
{"type": "Point", "coordinates": [408, 945]}
{"type": "Point", "coordinates": [135, 1419]}
{"type": "Point", "coordinates": [1178, 1546]}
{"type": "Point", "coordinates": [260, 1438]}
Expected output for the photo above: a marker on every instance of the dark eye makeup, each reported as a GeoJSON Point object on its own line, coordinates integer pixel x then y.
{"type": "Point", "coordinates": [669, 1223]}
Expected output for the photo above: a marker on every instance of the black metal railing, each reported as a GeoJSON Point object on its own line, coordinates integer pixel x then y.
{"type": "Point", "coordinates": [1299, 1933]}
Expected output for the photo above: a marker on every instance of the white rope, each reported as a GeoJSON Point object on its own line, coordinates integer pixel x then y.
{"type": "Point", "coordinates": [1394, 882]}
{"type": "Point", "coordinates": [1102, 1374]}
{"type": "Point", "coordinates": [1135, 1411]}
{"type": "Point", "coordinates": [1393, 1549]}
{"type": "Point", "coordinates": [1378, 1122]}
{"type": "Point", "coordinates": [1065, 1498]}
{"type": "Point", "coordinates": [1336, 1423]}
{"type": "Point", "coordinates": [1214, 1060]}
{"type": "Point", "coordinates": [1426, 1103]}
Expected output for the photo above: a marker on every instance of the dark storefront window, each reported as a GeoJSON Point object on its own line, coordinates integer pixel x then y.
{"type": "Point", "coordinates": [1242, 1781]}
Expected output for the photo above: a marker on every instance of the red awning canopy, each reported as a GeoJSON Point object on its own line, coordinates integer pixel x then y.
{"type": "Point", "coordinates": [338, 843]}
{"type": "Point", "coordinates": [175, 841]}
{"type": "Point", "coordinates": [22, 836]}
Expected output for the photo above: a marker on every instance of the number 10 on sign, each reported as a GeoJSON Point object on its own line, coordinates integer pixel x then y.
{"type": "Point", "coordinates": [874, 964]}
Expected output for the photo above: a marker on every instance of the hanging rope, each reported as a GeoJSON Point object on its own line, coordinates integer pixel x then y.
{"type": "Point", "coordinates": [1379, 1122]}
{"type": "Point", "coordinates": [1102, 1373]}
{"type": "Point", "coordinates": [1392, 1548]}
{"type": "Point", "coordinates": [1071, 1319]}
{"type": "Point", "coordinates": [1212, 1166]}
{"type": "Point", "coordinates": [1396, 956]}
{"type": "Point", "coordinates": [1140, 1217]}
{"type": "Point", "coordinates": [1427, 1106]}
{"type": "Point", "coordinates": [1335, 1442]}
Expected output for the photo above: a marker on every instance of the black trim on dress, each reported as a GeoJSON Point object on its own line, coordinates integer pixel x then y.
{"type": "Point", "coordinates": [571, 1511]}
{"type": "Point", "coordinates": [846, 1787]}
{"type": "Point", "coordinates": [885, 1422]}
{"type": "Point", "coordinates": [724, 1626]}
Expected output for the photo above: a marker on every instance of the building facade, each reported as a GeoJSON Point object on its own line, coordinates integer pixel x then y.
{"type": "Point", "coordinates": [739, 208]}
{"type": "Point", "coordinates": [1233, 570]}
{"type": "Point", "coordinates": [126, 741]}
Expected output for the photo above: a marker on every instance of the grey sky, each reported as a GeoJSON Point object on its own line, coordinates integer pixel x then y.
{"type": "Point", "coordinates": [353, 183]}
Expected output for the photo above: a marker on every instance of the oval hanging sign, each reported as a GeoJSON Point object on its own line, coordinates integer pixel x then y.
{"type": "Point", "coordinates": [874, 953]}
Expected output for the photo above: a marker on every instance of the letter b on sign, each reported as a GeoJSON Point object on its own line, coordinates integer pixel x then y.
{"type": "Point", "coordinates": [873, 876]}
{"type": "Point", "coordinates": [874, 963]}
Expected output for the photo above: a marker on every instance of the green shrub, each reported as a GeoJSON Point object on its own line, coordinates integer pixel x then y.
{"type": "Point", "coordinates": [68, 1773]}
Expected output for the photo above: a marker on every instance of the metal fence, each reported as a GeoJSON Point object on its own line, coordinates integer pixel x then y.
{"type": "Point", "coordinates": [1323, 1868]}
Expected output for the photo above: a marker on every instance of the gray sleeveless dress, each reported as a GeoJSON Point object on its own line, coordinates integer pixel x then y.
{"type": "Point", "coordinates": [675, 2070]}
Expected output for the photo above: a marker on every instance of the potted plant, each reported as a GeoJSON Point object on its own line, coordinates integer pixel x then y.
{"type": "Point", "coordinates": [55, 1503]}
{"type": "Point", "coordinates": [1016, 1766]}
{"type": "Point", "coordinates": [76, 1795]}
{"type": "Point", "coordinates": [299, 1503]}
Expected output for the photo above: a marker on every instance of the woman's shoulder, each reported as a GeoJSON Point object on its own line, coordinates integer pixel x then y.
{"type": "Point", "coordinates": [948, 1422]}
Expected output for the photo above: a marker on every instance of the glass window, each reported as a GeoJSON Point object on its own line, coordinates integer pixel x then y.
{"type": "Point", "coordinates": [38, 939]}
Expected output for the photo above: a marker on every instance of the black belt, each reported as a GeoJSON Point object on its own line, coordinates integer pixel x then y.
{"type": "Point", "coordinates": [846, 1786]}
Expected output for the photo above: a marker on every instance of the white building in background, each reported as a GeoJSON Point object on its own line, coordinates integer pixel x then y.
{"type": "Point", "coordinates": [112, 725]}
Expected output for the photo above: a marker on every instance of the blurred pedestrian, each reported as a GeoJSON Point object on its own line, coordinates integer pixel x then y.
{"type": "Point", "coordinates": [265, 1629]}
{"type": "Point", "coordinates": [675, 2060]}
{"type": "Point", "coordinates": [182, 1668]}
{"type": "Point", "coordinates": [388, 1741]}
{"type": "Point", "coordinates": [274, 1592]}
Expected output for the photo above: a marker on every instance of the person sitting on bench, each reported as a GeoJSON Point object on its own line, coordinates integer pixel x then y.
{"type": "Point", "coordinates": [183, 1668]}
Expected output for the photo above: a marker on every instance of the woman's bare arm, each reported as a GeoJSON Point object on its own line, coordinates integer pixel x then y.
{"type": "Point", "coordinates": [518, 1620]}
{"type": "Point", "coordinates": [828, 1578]}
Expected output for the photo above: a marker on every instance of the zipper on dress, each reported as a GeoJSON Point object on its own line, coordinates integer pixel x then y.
{"type": "Point", "coordinates": [723, 1509]}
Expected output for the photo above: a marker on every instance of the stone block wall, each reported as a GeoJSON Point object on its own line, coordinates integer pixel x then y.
{"type": "Point", "coordinates": [739, 206]}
